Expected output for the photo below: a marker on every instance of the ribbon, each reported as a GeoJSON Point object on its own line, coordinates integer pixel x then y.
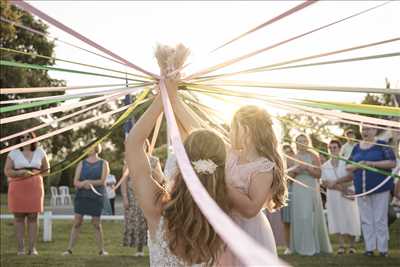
{"type": "Point", "coordinates": [67, 128]}
{"type": "Point", "coordinates": [82, 153]}
{"type": "Point", "coordinates": [256, 52]}
{"type": "Point", "coordinates": [34, 55]}
{"type": "Point", "coordinates": [62, 108]}
{"type": "Point", "coordinates": [26, 90]}
{"type": "Point", "coordinates": [40, 126]}
{"type": "Point", "coordinates": [300, 86]}
{"type": "Point", "coordinates": [95, 191]}
{"type": "Point", "coordinates": [286, 62]}
{"type": "Point", "coordinates": [274, 19]}
{"type": "Point", "coordinates": [29, 8]}
{"type": "Point", "coordinates": [55, 99]}
{"type": "Point", "coordinates": [18, 25]}
{"type": "Point", "coordinates": [45, 67]}
{"type": "Point", "coordinates": [242, 245]}
{"type": "Point", "coordinates": [155, 133]}
{"type": "Point", "coordinates": [351, 117]}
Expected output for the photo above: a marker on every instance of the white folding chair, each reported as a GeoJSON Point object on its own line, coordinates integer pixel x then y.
{"type": "Point", "coordinates": [55, 197]}
{"type": "Point", "coordinates": [65, 196]}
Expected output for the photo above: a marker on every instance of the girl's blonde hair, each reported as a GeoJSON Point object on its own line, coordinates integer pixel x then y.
{"type": "Point", "coordinates": [190, 236]}
{"type": "Point", "coordinates": [259, 125]}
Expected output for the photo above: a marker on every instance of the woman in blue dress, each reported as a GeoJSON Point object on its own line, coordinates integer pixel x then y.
{"type": "Point", "coordinates": [373, 207]}
{"type": "Point", "coordinates": [90, 177]}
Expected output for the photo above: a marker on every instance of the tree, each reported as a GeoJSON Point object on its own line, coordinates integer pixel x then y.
{"type": "Point", "coordinates": [316, 127]}
{"type": "Point", "coordinates": [22, 40]}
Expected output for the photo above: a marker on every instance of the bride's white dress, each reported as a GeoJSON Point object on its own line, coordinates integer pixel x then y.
{"type": "Point", "coordinates": [160, 255]}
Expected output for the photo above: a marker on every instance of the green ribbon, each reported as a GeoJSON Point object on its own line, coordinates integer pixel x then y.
{"type": "Point", "coordinates": [45, 67]}
{"type": "Point", "coordinates": [72, 62]}
{"type": "Point", "coordinates": [83, 152]}
{"type": "Point", "coordinates": [47, 102]}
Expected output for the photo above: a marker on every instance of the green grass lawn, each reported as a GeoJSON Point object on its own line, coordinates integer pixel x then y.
{"type": "Point", "coordinates": [85, 252]}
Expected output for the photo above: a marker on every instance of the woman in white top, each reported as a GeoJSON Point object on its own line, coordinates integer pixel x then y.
{"type": "Point", "coordinates": [343, 216]}
{"type": "Point", "coordinates": [24, 168]}
{"type": "Point", "coordinates": [179, 234]}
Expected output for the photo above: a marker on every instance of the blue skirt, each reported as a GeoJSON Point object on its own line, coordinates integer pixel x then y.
{"type": "Point", "coordinates": [89, 206]}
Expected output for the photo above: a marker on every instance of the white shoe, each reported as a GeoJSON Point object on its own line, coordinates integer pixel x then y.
{"type": "Point", "coordinates": [103, 253]}
{"type": "Point", "coordinates": [287, 251]}
{"type": "Point", "coordinates": [67, 253]}
{"type": "Point", "coordinates": [21, 253]}
{"type": "Point", "coordinates": [33, 252]}
{"type": "Point", "coordinates": [139, 254]}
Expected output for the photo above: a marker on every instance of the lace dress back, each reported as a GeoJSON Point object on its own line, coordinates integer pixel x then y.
{"type": "Point", "coordinates": [160, 255]}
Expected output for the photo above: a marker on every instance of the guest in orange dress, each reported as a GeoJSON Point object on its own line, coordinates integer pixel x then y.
{"type": "Point", "coordinates": [24, 168]}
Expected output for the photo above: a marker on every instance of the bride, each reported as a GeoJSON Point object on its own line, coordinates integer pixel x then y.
{"type": "Point", "coordinates": [179, 233]}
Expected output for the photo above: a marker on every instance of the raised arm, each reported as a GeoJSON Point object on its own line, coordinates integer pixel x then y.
{"type": "Point", "coordinates": [144, 186]}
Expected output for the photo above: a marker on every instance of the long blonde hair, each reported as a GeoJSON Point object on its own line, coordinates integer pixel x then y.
{"type": "Point", "coordinates": [190, 236]}
{"type": "Point", "coordinates": [259, 125]}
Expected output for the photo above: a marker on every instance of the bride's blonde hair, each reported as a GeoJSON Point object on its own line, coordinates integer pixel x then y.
{"type": "Point", "coordinates": [190, 236]}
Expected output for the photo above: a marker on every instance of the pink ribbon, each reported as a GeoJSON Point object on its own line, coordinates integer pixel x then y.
{"type": "Point", "coordinates": [251, 54]}
{"type": "Point", "coordinates": [274, 19]}
{"type": "Point", "coordinates": [38, 113]}
{"type": "Point", "coordinates": [29, 8]}
{"type": "Point", "coordinates": [241, 244]}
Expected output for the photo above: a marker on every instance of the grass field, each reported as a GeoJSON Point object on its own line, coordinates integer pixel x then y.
{"type": "Point", "coordinates": [85, 252]}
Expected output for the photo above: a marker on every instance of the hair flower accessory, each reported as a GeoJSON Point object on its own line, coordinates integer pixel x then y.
{"type": "Point", "coordinates": [204, 166]}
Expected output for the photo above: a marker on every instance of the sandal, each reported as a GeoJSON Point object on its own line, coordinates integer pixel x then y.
{"type": "Point", "coordinates": [340, 251]}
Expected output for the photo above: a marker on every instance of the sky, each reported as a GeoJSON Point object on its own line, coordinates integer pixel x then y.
{"type": "Point", "coordinates": [132, 30]}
